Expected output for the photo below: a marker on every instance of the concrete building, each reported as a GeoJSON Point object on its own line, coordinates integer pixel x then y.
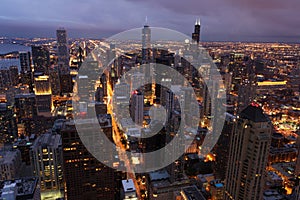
{"type": "Point", "coordinates": [248, 155]}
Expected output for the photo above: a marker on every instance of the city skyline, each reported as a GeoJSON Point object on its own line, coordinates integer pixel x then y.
{"type": "Point", "coordinates": [149, 114]}
{"type": "Point", "coordinates": [274, 21]}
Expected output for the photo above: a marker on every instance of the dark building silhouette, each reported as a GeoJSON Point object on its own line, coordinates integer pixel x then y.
{"type": "Point", "coordinates": [85, 177]}
{"type": "Point", "coordinates": [25, 106]}
{"type": "Point", "coordinates": [196, 34]}
{"type": "Point", "coordinates": [40, 58]}
{"type": "Point", "coordinates": [62, 50]}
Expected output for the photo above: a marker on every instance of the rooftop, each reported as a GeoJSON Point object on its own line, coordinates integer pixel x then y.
{"type": "Point", "coordinates": [23, 186]}
{"type": "Point", "coordinates": [128, 185]}
{"type": "Point", "coordinates": [159, 175]}
{"type": "Point", "coordinates": [192, 193]}
{"type": "Point", "coordinates": [254, 113]}
{"type": "Point", "coordinates": [47, 140]}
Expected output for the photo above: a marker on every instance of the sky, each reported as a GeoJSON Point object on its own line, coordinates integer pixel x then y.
{"type": "Point", "coordinates": [221, 20]}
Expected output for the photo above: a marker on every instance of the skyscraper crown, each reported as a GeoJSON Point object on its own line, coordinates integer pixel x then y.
{"type": "Point", "coordinates": [254, 113]}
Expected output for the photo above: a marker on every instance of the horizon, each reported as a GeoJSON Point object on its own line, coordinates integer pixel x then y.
{"type": "Point", "coordinates": [73, 34]}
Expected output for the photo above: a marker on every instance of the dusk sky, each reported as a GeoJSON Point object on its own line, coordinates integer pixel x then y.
{"type": "Point", "coordinates": [233, 20]}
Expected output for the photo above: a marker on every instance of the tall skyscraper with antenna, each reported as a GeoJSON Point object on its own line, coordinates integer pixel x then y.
{"type": "Point", "coordinates": [196, 34]}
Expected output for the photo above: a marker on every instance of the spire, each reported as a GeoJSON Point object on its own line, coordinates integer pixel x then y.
{"type": "Point", "coordinates": [197, 22]}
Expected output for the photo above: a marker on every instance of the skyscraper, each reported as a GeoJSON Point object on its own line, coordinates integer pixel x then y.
{"type": "Point", "coordinates": [196, 34]}
{"type": "Point", "coordinates": [249, 149]}
{"type": "Point", "coordinates": [62, 50]}
{"type": "Point", "coordinates": [40, 58]}
{"type": "Point", "coordinates": [137, 107]}
{"type": "Point", "coordinates": [43, 94]}
{"type": "Point", "coordinates": [25, 106]}
{"type": "Point", "coordinates": [85, 177]}
{"type": "Point", "coordinates": [46, 157]}
{"type": "Point", "coordinates": [146, 43]}
{"type": "Point", "coordinates": [26, 72]}
{"type": "Point", "coordinates": [63, 61]}
{"type": "Point", "coordinates": [25, 60]}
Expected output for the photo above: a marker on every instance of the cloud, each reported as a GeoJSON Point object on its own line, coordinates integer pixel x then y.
{"type": "Point", "coordinates": [221, 19]}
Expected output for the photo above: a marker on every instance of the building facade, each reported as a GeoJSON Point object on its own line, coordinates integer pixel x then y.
{"type": "Point", "coordinates": [248, 155]}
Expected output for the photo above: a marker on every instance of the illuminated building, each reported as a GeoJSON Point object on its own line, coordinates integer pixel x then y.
{"type": "Point", "coordinates": [196, 34]}
{"type": "Point", "coordinates": [248, 155]}
{"type": "Point", "coordinates": [43, 94]}
{"type": "Point", "coordinates": [40, 58]}
{"type": "Point", "coordinates": [270, 87]}
{"type": "Point", "coordinates": [42, 84]}
{"type": "Point", "coordinates": [85, 177]}
{"type": "Point", "coordinates": [10, 163]}
{"type": "Point", "coordinates": [46, 158]}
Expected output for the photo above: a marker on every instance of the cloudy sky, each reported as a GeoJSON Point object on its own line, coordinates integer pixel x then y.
{"type": "Point", "coordinates": [233, 20]}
